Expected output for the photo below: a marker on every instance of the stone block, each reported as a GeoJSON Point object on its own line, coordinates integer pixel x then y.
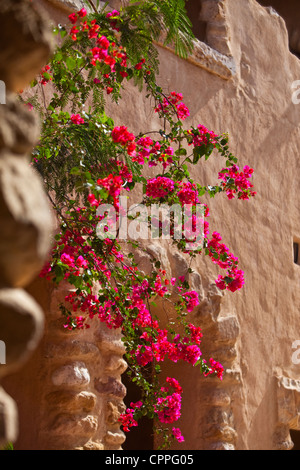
{"type": "Point", "coordinates": [72, 375]}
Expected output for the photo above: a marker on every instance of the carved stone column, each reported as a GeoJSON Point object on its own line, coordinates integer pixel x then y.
{"type": "Point", "coordinates": [25, 219]}
{"type": "Point", "coordinates": [288, 411]}
{"type": "Point", "coordinates": [82, 394]}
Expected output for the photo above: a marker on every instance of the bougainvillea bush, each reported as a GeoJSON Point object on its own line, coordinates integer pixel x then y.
{"type": "Point", "coordinates": [88, 161]}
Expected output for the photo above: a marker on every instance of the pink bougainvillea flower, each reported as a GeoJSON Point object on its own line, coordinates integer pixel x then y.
{"type": "Point", "coordinates": [73, 18]}
{"type": "Point", "coordinates": [177, 434]}
{"type": "Point", "coordinates": [159, 187]}
{"type": "Point", "coordinates": [77, 119]}
{"type": "Point", "coordinates": [82, 13]}
{"type": "Point", "coordinates": [103, 42]}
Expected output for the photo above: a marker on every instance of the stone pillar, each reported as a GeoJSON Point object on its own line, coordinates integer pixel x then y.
{"type": "Point", "coordinates": [25, 219]}
{"type": "Point", "coordinates": [82, 394]}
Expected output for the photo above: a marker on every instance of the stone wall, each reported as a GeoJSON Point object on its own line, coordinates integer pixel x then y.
{"type": "Point", "coordinates": [25, 218]}
{"type": "Point", "coordinates": [82, 395]}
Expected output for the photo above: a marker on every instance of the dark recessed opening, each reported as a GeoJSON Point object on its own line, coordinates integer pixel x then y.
{"type": "Point", "coordinates": [295, 436]}
{"type": "Point", "coordinates": [140, 437]}
{"type": "Point", "coordinates": [193, 8]}
{"type": "Point", "coordinates": [296, 252]}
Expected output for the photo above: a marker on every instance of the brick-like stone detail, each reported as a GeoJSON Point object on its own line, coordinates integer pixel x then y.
{"type": "Point", "coordinates": [82, 393]}
{"type": "Point", "coordinates": [220, 333]}
{"type": "Point", "coordinates": [288, 411]}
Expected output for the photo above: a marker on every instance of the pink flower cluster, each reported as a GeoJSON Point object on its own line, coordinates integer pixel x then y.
{"type": "Point", "coordinates": [113, 184]}
{"type": "Point", "coordinates": [168, 407]}
{"type": "Point", "coordinates": [153, 152]}
{"type": "Point", "coordinates": [45, 72]}
{"type": "Point", "coordinates": [109, 54]}
{"type": "Point", "coordinates": [92, 29]}
{"type": "Point", "coordinates": [80, 14]}
{"type": "Point", "coordinates": [196, 333]}
{"type": "Point", "coordinates": [77, 119]}
{"type": "Point", "coordinates": [124, 172]}
{"type": "Point", "coordinates": [90, 305]}
{"type": "Point", "coordinates": [162, 348]}
{"type": "Point", "coordinates": [144, 355]}
{"type": "Point", "coordinates": [159, 187]}
{"type": "Point", "coordinates": [127, 420]}
{"type": "Point", "coordinates": [202, 136]}
{"type": "Point", "coordinates": [177, 434]}
{"type": "Point", "coordinates": [144, 149]}
{"type": "Point", "coordinates": [187, 193]}
{"type": "Point", "coordinates": [120, 135]}
{"type": "Point", "coordinates": [233, 282]}
{"type": "Point", "coordinates": [70, 252]}
{"type": "Point", "coordinates": [112, 16]}
{"type": "Point", "coordinates": [191, 299]}
{"type": "Point", "coordinates": [101, 51]}
{"type": "Point", "coordinates": [173, 101]}
{"type": "Point", "coordinates": [220, 255]}
{"type": "Point", "coordinates": [237, 183]}
{"type": "Point", "coordinates": [104, 51]}
{"type": "Point", "coordinates": [215, 368]}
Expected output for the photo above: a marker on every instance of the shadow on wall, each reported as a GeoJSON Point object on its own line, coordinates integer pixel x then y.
{"type": "Point", "coordinates": [140, 437]}
{"type": "Point", "coordinates": [295, 436]}
{"type": "Point", "coordinates": [289, 10]}
{"type": "Point", "coordinates": [194, 8]}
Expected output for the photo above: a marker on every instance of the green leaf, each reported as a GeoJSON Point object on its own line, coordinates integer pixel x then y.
{"type": "Point", "coordinates": [209, 150]}
{"type": "Point", "coordinates": [48, 154]}
{"type": "Point", "coordinates": [181, 151]}
{"type": "Point", "coordinates": [59, 273]}
{"type": "Point", "coordinates": [63, 32]}
{"type": "Point", "coordinates": [75, 171]}
{"type": "Point", "coordinates": [71, 63]}
{"type": "Point", "coordinates": [8, 446]}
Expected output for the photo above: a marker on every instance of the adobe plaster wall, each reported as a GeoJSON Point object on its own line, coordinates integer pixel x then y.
{"type": "Point", "coordinates": [290, 11]}
{"type": "Point", "coordinates": [251, 332]}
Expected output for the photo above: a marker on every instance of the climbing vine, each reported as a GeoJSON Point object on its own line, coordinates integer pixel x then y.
{"type": "Point", "coordinates": [90, 165]}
